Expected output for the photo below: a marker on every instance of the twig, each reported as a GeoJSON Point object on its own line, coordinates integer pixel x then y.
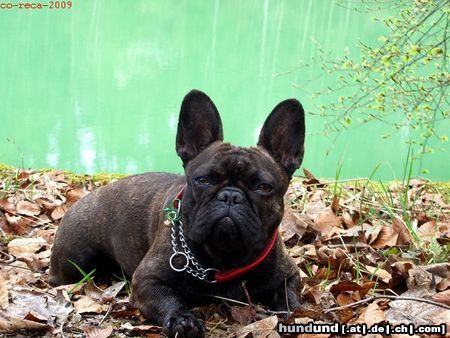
{"type": "Point", "coordinates": [61, 329]}
{"type": "Point", "coordinates": [106, 314]}
{"type": "Point", "coordinates": [9, 258]}
{"type": "Point", "coordinates": [367, 300]}
{"type": "Point", "coordinates": [229, 300]}
{"type": "Point", "coordinates": [251, 305]}
{"type": "Point", "coordinates": [287, 298]}
{"type": "Point", "coordinates": [258, 308]}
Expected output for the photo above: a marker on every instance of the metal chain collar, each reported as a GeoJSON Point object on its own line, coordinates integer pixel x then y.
{"type": "Point", "coordinates": [191, 265]}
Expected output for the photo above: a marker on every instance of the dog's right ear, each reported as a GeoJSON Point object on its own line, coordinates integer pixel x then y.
{"type": "Point", "coordinates": [199, 125]}
{"type": "Point", "coordinates": [283, 135]}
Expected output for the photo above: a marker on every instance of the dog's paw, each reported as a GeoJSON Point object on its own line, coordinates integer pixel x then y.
{"type": "Point", "coordinates": [184, 326]}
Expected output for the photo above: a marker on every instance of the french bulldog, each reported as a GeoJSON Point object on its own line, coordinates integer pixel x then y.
{"type": "Point", "coordinates": [185, 239]}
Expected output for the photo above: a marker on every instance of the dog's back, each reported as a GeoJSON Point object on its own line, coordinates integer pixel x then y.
{"type": "Point", "coordinates": [125, 207]}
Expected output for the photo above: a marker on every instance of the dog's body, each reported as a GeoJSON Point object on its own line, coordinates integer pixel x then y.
{"type": "Point", "coordinates": [230, 208]}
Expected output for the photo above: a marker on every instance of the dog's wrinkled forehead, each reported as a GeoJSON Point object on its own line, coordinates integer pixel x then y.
{"type": "Point", "coordinates": [234, 161]}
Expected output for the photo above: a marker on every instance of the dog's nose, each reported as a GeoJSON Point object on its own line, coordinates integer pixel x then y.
{"type": "Point", "coordinates": [230, 196]}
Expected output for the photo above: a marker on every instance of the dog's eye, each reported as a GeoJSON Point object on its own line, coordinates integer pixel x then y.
{"type": "Point", "coordinates": [202, 180]}
{"type": "Point", "coordinates": [264, 188]}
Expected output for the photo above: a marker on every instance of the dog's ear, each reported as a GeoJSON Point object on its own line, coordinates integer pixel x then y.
{"type": "Point", "coordinates": [283, 135]}
{"type": "Point", "coordinates": [199, 125]}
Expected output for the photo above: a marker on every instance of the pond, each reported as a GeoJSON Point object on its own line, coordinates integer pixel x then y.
{"type": "Point", "coordinates": [98, 86]}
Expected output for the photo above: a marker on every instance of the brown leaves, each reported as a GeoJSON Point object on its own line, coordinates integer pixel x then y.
{"type": "Point", "coordinates": [442, 297]}
{"type": "Point", "coordinates": [7, 206]}
{"type": "Point", "coordinates": [417, 313]}
{"type": "Point", "coordinates": [31, 311]}
{"type": "Point", "coordinates": [13, 324]}
{"type": "Point", "coordinates": [349, 242]}
{"type": "Point", "coordinates": [85, 304]}
{"type": "Point", "coordinates": [25, 247]}
{"type": "Point", "coordinates": [387, 237]}
{"type": "Point", "coordinates": [327, 223]}
{"type": "Point", "coordinates": [35, 199]}
{"type": "Point", "coordinates": [244, 315]}
{"type": "Point", "coordinates": [3, 294]}
{"type": "Point", "coordinates": [264, 328]}
{"type": "Point", "coordinates": [371, 315]}
{"type": "Point", "coordinates": [58, 212]}
{"type": "Point", "coordinates": [96, 332]}
{"type": "Point", "coordinates": [28, 208]}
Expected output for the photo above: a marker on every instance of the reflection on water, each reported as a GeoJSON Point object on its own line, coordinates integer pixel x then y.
{"type": "Point", "coordinates": [82, 92]}
{"type": "Point", "coordinates": [88, 155]}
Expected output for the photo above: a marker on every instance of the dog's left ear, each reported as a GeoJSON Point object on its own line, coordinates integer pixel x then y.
{"type": "Point", "coordinates": [283, 135]}
{"type": "Point", "coordinates": [199, 125]}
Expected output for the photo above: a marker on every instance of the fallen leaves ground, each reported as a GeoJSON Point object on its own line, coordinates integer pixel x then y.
{"type": "Point", "coordinates": [367, 253]}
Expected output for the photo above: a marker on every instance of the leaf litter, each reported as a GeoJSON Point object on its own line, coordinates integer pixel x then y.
{"type": "Point", "coordinates": [364, 253]}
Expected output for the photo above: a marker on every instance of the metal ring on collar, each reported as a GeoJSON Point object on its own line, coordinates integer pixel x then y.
{"type": "Point", "coordinates": [178, 253]}
{"type": "Point", "coordinates": [209, 276]}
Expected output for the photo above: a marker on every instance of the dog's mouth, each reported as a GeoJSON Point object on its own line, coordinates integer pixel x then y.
{"type": "Point", "coordinates": [226, 222]}
{"type": "Point", "coordinates": [225, 229]}
{"type": "Point", "coordinates": [229, 236]}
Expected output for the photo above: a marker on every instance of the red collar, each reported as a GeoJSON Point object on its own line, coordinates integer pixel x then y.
{"type": "Point", "coordinates": [224, 276]}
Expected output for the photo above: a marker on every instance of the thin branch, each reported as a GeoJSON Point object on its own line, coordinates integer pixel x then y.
{"type": "Point", "coordinates": [368, 300]}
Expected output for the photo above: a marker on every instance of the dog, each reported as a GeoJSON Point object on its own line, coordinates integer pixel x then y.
{"type": "Point", "coordinates": [184, 239]}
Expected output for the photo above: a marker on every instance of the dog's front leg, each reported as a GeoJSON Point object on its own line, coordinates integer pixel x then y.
{"type": "Point", "coordinates": [162, 304]}
{"type": "Point", "coordinates": [286, 298]}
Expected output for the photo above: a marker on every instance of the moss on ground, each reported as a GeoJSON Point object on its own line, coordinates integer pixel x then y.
{"type": "Point", "coordinates": [102, 178]}
{"type": "Point", "coordinates": [7, 171]}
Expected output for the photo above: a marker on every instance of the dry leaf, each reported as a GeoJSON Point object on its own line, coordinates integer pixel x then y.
{"type": "Point", "coordinates": [17, 273]}
{"type": "Point", "coordinates": [349, 286]}
{"type": "Point", "coordinates": [439, 269]}
{"type": "Point", "coordinates": [442, 297]}
{"type": "Point", "coordinates": [443, 285]}
{"type": "Point", "coordinates": [28, 209]}
{"type": "Point", "coordinates": [3, 293]}
{"type": "Point", "coordinates": [264, 328]}
{"type": "Point", "coordinates": [125, 313]}
{"type": "Point", "coordinates": [386, 237]}
{"type": "Point", "coordinates": [45, 202]}
{"type": "Point", "coordinates": [311, 179]}
{"type": "Point", "coordinates": [59, 212]}
{"type": "Point", "coordinates": [7, 206]}
{"type": "Point", "coordinates": [335, 204]}
{"type": "Point", "coordinates": [348, 220]}
{"type": "Point", "coordinates": [294, 224]}
{"type": "Point", "coordinates": [428, 231]}
{"type": "Point", "coordinates": [380, 273]}
{"type": "Point", "coordinates": [111, 292]}
{"type": "Point", "coordinates": [327, 224]}
{"type": "Point", "coordinates": [140, 329]}
{"type": "Point", "coordinates": [371, 315]}
{"type": "Point", "coordinates": [400, 228]}
{"type": "Point", "coordinates": [37, 306]}
{"type": "Point", "coordinates": [75, 194]}
{"type": "Point", "coordinates": [85, 304]}
{"type": "Point", "coordinates": [244, 315]}
{"type": "Point", "coordinates": [36, 317]}
{"type": "Point", "coordinates": [314, 294]}
{"type": "Point", "coordinates": [414, 312]}
{"type": "Point", "coordinates": [25, 247]}
{"type": "Point", "coordinates": [13, 324]}
{"type": "Point", "coordinates": [17, 225]}
{"type": "Point", "coordinates": [97, 332]}
{"type": "Point", "coordinates": [344, 298]}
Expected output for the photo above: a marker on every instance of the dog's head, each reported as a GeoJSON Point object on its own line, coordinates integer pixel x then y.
{"type": "Point", "coordinates": [234, 196]}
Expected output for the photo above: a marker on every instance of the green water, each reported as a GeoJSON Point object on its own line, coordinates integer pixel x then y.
{"type": "Point", "coordinates": [97, 87]}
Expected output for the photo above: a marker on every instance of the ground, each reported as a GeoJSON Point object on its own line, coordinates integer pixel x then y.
{"type": "Point", "coordinates": [368, 253]}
